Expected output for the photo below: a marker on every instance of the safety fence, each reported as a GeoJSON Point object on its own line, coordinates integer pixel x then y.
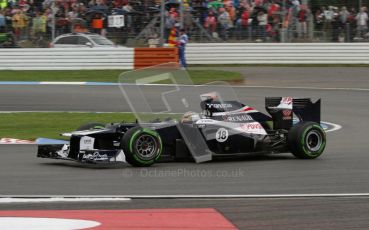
{"type": "Point", "coordinates": [134, 23]}
{"type": "Point", "coordinates": [199, 53]}
{"type": "Point", "coordinates": [278, 53]}
{"type": "Point", "coordinates": [66, 59]}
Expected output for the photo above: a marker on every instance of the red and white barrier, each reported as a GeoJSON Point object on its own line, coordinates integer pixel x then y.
{"type": "Point", "coordinates": [8, 140]}
{"type": "Point", "coordinates": [191, 218]}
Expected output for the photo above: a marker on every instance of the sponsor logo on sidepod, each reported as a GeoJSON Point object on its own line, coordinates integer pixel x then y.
{"type": "Point", "coordinates": [236, 118]}
{"type": "Point", "coordinates": [251, 126]}
{"type": "Point", "coordinates": [219, 106]}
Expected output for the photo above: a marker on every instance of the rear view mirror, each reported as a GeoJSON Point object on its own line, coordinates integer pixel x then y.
{"type": "Point", "coordinates": [89, 44]}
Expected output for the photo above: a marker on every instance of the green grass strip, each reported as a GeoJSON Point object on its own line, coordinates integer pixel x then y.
{"type": "Point", "coordinates": [197, 76]}
{"type": "Point", "coordinates": [30, 125]}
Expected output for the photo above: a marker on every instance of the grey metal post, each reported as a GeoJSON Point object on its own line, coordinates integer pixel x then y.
{"type": "Point", "coordinates": [181, 11]}
{"type": "Point", "coordinates": [162, 18]}
{"type": "Point", "coordinates": [283, 33]}
{"type": "Point", "coordinates": [348, 31]}
{"type": "Point", "coordinates": [53, 21]}
{"type": "Point", "coordinates": [310, 20]}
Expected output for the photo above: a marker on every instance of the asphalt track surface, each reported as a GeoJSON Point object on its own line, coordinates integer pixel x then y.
{"type": "Point", "coordinates": [343, 168]}
{"type": "Point", "coordinates": [256, 214]}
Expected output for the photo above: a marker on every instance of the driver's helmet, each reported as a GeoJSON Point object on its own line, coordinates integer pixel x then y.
{"type": "Point", "coordinates": [190, 117]}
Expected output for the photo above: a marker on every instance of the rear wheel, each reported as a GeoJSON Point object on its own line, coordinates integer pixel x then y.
{"type": "Point", "coordinates": [307, 140]}
{"type": "Point", "coordinates": [142, 147]}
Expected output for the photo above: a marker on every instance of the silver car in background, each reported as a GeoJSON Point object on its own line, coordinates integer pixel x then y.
{"type": "Point", "coordinates": [81, 40]}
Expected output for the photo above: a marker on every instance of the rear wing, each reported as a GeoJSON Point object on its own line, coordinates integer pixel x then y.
{"type": "Point", "coordinates": [285, 109]}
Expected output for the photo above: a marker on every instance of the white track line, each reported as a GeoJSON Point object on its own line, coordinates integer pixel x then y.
{"type": "Point", "coordinates": [98, 112]}
{"type": "Point", "coordinates": [61, 199]}
{"type": "Point", "coordinates": [251, 86]}
{"type": "Point", "coordinates": [166, 85]}
{"type": "Point", "coordinates": [117, 198]}
{"type": "Point", "coordinates": [335, 126]}
{"type": "Point", "coordinates": [45, 111]}
{"type": "Point", "coordinates": [62, 83]}
{"type": "Point", "coordinates": [248, 196]}
{"type": "Point", "coordinates": [270, 87]}
{"type": "Point", "coordinates": [299, 87]}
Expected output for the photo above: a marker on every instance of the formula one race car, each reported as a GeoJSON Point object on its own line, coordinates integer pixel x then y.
{"type": "Point", "coordinates": [224, 129]}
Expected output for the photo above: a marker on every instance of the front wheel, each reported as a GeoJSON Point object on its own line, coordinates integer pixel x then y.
{"type": "Point", "coordinates": [141, 146]}
{"type": "Point", "coordinates": [307, 140]}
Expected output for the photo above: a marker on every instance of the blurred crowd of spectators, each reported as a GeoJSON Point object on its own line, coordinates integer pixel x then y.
{"type": "Point", "coordinates": [254, 20]}
{"type": "Point", "coordinates": [342, 24]}
{"type": "Point", "coordinates": [28, 19]}
{"type": "Point", "coordinates": [259, 20]}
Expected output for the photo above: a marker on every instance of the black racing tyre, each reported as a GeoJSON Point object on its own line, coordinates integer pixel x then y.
{"type": "Point", "coordinates": [91, 125]}
{"type": "Point", "coordinates": [307, 140]}
{"type": "Point", "coordinates": [141, 146]}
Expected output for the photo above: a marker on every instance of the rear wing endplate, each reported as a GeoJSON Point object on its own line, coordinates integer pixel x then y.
{"type": "Point", "coordinates": [284, 109]}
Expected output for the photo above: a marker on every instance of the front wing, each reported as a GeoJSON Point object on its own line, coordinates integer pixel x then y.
{"type": "Point", "coordinates": [95, 156]}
